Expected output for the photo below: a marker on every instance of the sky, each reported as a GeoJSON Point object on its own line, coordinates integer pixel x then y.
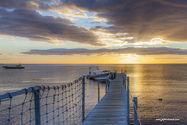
{"type": "Point", "coordinates": [93, 31]}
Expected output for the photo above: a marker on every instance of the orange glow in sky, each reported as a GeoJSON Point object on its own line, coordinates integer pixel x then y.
{"type": "Point", "coordinates": [67, 32]}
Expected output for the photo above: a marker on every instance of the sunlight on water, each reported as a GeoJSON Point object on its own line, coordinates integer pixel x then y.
{"type": "Point", "coordinates": [8, 89]}
{"type": "Point", "coordinates": [147, 82]}
{"type": "Point", "coordinates": [25, 81]}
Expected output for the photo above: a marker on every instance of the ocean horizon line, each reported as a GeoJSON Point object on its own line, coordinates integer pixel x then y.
{"type": "Point", "coordinates": [95, 64]}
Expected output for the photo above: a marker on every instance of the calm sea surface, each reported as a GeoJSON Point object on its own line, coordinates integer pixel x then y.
{"type": "Point", "coordinates": [147, 82]}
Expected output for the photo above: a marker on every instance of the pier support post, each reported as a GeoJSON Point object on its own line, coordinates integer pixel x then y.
{"type": "Point", "coordinates": [135, 100]}
{"type": "Point", "coordinates": [83, 98]}
{"type": "Point", "coordinates": [98, 92]}
{"type": "Point", "coordinates": [128, 105]}
{"type": "Point", "coordinates": [37, 107]}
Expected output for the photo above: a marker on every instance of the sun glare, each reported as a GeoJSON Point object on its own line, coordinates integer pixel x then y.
{"type": "Point", "coordinates": [129, 58]}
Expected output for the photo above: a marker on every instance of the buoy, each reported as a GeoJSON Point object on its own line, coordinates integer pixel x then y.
{"type": "Point", "coordinates": [160, 99]}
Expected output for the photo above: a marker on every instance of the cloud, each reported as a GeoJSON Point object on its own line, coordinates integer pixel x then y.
{"type": "Point", "coordinates": [45, 5]}
{"type": "Point", "coordinates": [119, 37]}
{"type": "Point", "coordinates": [109, 30]}
{"type": "Point", "coordinates": [144, 19]}
{"type": "Point", "coordinates": [2, 54]}
{"type": "Point", "coordinates": [98, 20]}
{"type": "Point", "coordinates": [169, 58]}
{"type": "Point", "coordinates": [26, 4]}
{"type": "Point", "coordinates": [70, 12]}
{"type": "Point", "coordinates": [113, 35]}
{"type": "Point", "coordinates": [32, 25]}
{"type": "Point", "coordinates": [128, 50]}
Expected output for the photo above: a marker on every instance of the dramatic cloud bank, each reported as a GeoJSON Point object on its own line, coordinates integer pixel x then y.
{"type": "Point", "coordinates": [128, 50]}
{"type": "Point", "coordinates": [44, 5]}
{"type": "Point", "coordinates": [144, 19]}
{"type": "Point", "coordinates": [32, 25]}
{"type": "Point", "coordinates": [135, 20]}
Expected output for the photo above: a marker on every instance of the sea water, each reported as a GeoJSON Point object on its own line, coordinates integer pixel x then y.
{"type": "Point", "coordinates": [161, 89]}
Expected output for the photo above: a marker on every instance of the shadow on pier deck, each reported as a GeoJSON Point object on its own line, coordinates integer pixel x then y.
{"type": "Point", "coordinates": [112, 109]}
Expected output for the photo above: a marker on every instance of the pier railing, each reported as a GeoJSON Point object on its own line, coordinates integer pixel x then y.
{"type": "Point", "coordinates": [134, 100]}
{"type": "Point", "coordinates": [47, 105]}
{"type": "Point", "coordinates": [129, 95]}
{"type": "Point", "coordinates": [53, 105]}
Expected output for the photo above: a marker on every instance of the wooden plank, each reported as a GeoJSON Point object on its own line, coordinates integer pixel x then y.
{"type": "Point", "coordinates": [112, 109]}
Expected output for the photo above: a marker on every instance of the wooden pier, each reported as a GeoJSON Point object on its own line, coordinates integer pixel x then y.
{"type": "Point", "coordinates": [112, 109]}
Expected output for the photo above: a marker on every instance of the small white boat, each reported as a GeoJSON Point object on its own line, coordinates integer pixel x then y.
{"type": "Point", "coordinates": [101, 78]}
{"type": "Point", "coordinates": [96, 74]}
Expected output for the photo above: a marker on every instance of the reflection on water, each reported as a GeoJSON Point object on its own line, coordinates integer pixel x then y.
{"type": "Point", "coordinates": [153, 82]}
{"type": "Point", "coordinates": [8, 89]}
{"type": "Point", "coordinates": [147, 82]}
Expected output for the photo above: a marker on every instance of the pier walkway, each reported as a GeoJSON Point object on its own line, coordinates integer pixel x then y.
{"type": "Point", "coordinates": [112, 109]}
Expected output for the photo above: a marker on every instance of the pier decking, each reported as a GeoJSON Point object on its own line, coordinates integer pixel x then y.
{"type": "Point", "coordinates": [112, 109]}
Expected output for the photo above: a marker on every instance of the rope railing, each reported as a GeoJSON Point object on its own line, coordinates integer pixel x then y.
{"type": "Point", "coordinates": [134, 100]}
{"type": "Point", "coordinates": [135, 109]}
{"type": "Point", "coordinates": [44, 105]}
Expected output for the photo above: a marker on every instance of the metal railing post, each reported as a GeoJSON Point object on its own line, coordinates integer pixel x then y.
{"type": "Point", "coordinates": [98, 92]}
{"type": "Point", "coordinates": [83, 98]}
{"type": "Point", "coordinates": [128, 105]}
{"type": "Point", "coordinates": [135, 100]}
{"type": "Point", "coordinates": [125, 80]}
{"type": "Point", "coordinates": [106, 85]}
{"type": "Point", "coordinates": [37, 107]}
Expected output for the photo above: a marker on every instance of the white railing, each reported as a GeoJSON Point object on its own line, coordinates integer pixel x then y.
{"type": "Point", "coordinates": [48, 105]}
{"type": "Point", "coordinates": [135, 102]}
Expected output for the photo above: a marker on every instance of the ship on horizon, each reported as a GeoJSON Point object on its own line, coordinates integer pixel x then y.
{"type": "Point", "coordinates": [14, 67]}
